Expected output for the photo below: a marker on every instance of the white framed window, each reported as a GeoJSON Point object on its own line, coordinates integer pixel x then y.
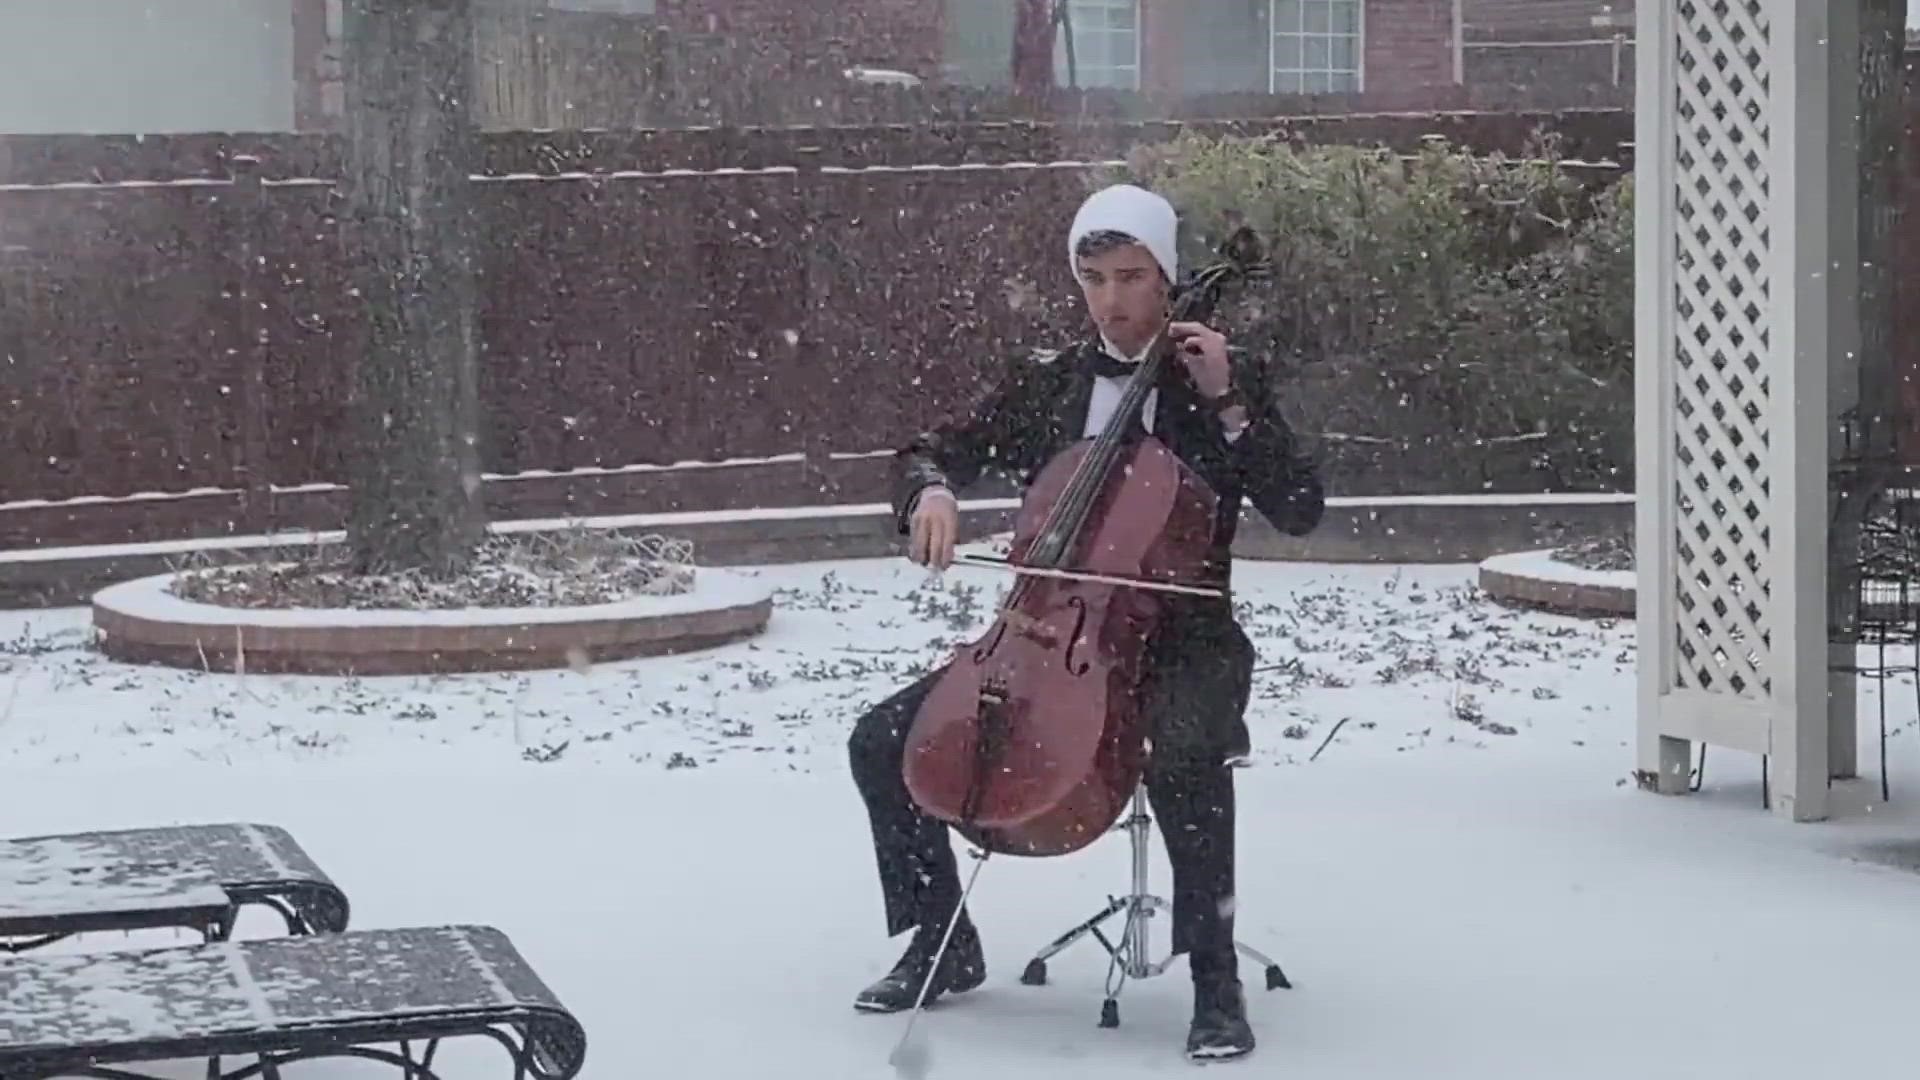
{"type": "Point", "coordinates": [1106, 44]}
{"type": "Point", "coordinates": [1316, 46]}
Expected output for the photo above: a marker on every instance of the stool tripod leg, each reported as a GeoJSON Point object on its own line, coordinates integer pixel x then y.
{"type": "Point", "coordinates": [1276, 979]}
{"type": "Point", "coordinates": [1128, 954]}
{"type": "Point", "coordinates": [1036, 971]}
{"type": "Point", "coordinates": [1129, 957]}
{"type": "Point", "coordinates": [1110, 1008]}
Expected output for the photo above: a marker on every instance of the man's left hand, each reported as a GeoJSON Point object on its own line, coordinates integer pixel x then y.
{"type": "Point", "coordinates": [1204, 350]}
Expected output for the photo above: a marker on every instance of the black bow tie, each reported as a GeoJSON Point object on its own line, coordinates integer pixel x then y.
{"type": "Point", "coordinates": [1108, 366]}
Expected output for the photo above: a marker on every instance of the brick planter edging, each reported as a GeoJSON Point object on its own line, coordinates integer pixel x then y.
{"type": "Point", "coordinates": [1412, 529]}
{"type": "Point", "coordinates": [1534, 579]}
{"type": "Point", "coordinates": [141, 622]}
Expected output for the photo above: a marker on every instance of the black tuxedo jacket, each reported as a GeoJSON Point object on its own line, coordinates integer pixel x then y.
{"type": "Point", "coordinates": [1038, 406]}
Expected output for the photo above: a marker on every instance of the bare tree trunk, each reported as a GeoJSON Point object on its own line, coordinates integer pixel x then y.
{"type": "Point", "coordinates": [414, 480]}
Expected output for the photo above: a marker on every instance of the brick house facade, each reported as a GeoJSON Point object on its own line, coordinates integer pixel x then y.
{"type": "Point", "coordinates": [896, 33]}
{"type": "Point", "coordinates": [1403, 53]}
{"type": "Point", "coordinates": [1388, 49]}
{"type": "Point", "coordinates": [1398, 47]}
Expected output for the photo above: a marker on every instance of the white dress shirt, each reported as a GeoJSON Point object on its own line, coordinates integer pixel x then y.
{"type": "Point", "coordinates": [1107, 392]}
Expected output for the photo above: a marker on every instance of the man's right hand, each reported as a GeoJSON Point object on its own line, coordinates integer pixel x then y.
{"type": "Point", "coordinates": [934, 527]}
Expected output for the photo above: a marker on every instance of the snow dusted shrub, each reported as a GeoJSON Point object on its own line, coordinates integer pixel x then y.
{"type": "Point", "coordinates": [569, 567]}
{"type": "Point", "coordinates": [1579, 293]}
{"type": "Point", "coordinates": [1448, 322]}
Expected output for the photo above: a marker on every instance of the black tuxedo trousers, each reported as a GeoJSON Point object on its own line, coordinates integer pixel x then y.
{"type": "Point", "coordinates": [1195, 688]}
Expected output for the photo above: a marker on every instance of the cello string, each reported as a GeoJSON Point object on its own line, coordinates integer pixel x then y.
{"type": "Point", "coordinates": [1077, 500]}
{"type": "Point", "coordinates": [1069, 513]}
{"type": "Point", "coordinates": [1076, 504]}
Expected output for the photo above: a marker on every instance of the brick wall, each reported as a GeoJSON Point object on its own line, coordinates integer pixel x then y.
{"type": "Point", "coordinates": [1409, 46]}
{"type": "Point", "coordinates": [902, 34]}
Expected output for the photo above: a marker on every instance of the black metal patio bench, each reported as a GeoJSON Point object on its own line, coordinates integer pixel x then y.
{"type": "Point", "coordinates": [193, 877]}
{"type": "Point", "coordinates": [279, 1001]}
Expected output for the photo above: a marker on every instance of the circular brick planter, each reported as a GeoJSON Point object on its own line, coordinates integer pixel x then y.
{"type": "Point", "coordinates": [141, 622]}
{"type": "Point", "coordinates": [1535, 579]}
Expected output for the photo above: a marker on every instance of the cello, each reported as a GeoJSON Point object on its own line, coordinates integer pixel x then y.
{"type": "Point", "coordinates": [1032, 741]}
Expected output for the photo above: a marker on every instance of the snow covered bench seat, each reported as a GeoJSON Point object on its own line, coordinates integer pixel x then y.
{"type": "Point", "coordinates": [277, 1001]}
{"type": "Point", "coordinates": [52, 887]}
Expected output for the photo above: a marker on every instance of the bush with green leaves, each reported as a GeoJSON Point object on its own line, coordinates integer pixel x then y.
{"type": "Point", "coordinates": [1447, 322]}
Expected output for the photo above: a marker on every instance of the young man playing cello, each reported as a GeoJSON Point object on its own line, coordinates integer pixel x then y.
{"type": "Point", "coordinates": [1215, 411]}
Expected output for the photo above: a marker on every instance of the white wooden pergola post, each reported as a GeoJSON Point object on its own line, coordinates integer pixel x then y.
{"type": "Point", "coordinates": [1743, 133]}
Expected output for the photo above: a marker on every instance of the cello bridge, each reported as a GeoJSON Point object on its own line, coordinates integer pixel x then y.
{"type": "Point", "coordinates": [994, 725]}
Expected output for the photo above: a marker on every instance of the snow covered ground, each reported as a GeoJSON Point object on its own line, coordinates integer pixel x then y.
{"type": "Point", "coordinates": [1463, 883]}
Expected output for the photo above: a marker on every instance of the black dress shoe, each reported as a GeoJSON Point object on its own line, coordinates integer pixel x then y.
{"type": "Point", "coordinates": [962, 968]}
{"type": "Point", "coordinates": [1220, 1031]}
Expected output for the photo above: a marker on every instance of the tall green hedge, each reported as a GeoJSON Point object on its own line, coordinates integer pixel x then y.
{"type": "Point", "coordinates": [1451, 322]}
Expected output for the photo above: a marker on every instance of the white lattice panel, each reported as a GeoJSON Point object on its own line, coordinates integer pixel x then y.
{"type": "Point", "coordinates": [1722, 411]}
{"type": "Point", "coordinates": [1744, 116]}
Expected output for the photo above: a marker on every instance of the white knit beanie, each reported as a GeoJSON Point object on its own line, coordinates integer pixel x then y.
{"type": "Point", "coordinates": [1135, 211]}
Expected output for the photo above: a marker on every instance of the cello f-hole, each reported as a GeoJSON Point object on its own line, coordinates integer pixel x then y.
{"type": "Point", "coordinates": [1076, 665]}
{"type": "Point", "coordinates": [986, 647]}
